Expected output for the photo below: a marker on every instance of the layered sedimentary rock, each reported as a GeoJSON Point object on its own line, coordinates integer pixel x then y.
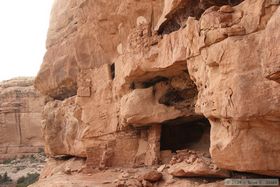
{"type": "Point", "coordinates": [20, 118]}
{"type": "Point", "coordinates": [126, 76]}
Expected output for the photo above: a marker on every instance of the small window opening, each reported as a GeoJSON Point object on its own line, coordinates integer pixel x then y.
{"type": "Point", "coordinates": [112, 68]}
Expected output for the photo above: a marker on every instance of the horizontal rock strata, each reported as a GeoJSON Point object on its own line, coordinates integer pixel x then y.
{"type": "Point", "coordinates": [20, 118]}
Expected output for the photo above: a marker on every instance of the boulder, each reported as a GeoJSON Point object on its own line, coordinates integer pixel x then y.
{"type": "Point", "coordinates": [152, 176]}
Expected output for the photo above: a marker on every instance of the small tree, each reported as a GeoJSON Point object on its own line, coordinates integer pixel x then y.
{"type": "Point", "coordinates": [27, 180]}
{"type": "Point", "coordinates": [5, 179]}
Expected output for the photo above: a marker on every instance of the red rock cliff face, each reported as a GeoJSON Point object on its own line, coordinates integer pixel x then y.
{"type": "Point", "coordinates": [124, 74]}
{"type": "Point", "coordinates": [20, 118]}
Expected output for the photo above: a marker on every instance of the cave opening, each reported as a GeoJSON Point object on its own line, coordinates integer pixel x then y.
{"type": "Point", "coordinates": [183, 133]}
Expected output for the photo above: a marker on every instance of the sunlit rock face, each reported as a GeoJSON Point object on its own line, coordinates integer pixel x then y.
{"type": "Point", "coordinates": [119, 71]}
{"type": "Point", "coordinates": [20, 118]}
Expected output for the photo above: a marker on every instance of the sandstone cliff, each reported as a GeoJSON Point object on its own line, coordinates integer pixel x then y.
{"type": "Point", "coordinates": [134, 82]}
{"type": "Point", "coordinates": [20, 118]}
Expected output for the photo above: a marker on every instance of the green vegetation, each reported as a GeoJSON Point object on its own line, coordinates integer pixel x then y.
{"type": "Point", "coordinates": [8, 161]}
{"type": "Point", "coordinates": [42, 151]}
{"type": "Point", "coordinates": [27, 180]}
{"type": "Point", "coordinates": [33, 159]}
{"type": "Point", "coordinates": [5, 179]}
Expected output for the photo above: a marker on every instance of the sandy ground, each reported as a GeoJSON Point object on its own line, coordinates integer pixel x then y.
{"type": "Point", "coordinates": [21, 167]}
{"type": "Point", "coordinates": [118, 177]}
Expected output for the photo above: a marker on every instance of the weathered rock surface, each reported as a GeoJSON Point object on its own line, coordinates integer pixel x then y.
{"type": "Point", "coordinates": [237, 98]}
{"type": "Point", "coordinates": [129, 81]}
{"type": "Point", "coordinates": [61, 130]}
{"type": "Point", "coordinates": [84, 34]}
{"type": "Point", "coordinates": [194, 164]}
{"type": "Point", "coordinates": [20, 118]}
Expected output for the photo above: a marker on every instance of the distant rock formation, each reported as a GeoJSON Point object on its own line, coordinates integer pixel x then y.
{"type": "Point", "coordinates": [20, 118]}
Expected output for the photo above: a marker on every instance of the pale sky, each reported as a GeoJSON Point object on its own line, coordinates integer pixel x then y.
{"type": "Point", "coordinates": [23, 30]}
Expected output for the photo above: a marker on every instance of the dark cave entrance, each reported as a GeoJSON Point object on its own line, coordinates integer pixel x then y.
{"type": "Point", "coordinates": [182, 134]}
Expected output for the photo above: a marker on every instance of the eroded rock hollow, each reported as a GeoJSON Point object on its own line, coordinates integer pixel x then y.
{"type": "Point", "coordinates": [134, 82]}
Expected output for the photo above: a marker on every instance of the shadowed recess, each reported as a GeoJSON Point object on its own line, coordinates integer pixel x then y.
{"type": "Point", "coordinates": [181, 134]}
